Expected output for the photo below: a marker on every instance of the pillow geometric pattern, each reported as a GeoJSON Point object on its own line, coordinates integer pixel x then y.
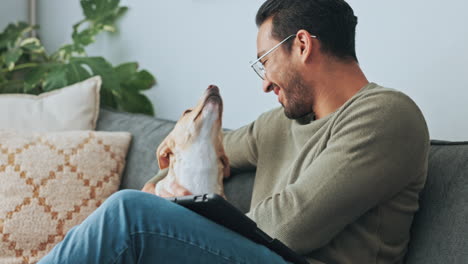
{"type": "Point", "coordinates": [50, 182]}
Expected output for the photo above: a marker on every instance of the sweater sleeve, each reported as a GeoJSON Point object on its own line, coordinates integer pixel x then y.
{"type": "Point", "coordinates": [241, 147]}
{"type": "Point", "coordinates": [159, 176]}
{"type": "Point", "coordinates": [374, 151]}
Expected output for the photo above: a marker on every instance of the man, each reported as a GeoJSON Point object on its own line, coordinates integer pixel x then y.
{"type": "Point", "coordinates": [339, 166]}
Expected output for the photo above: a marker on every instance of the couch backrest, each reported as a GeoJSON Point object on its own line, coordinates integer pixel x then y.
{"type": "Point", "coordinates": [440, 229]}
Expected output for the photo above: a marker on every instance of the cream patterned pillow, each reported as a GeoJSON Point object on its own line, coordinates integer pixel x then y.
{"type": "Point", "coordinates": [75, 107]}
{"type": "Point", "coordinates": [50, 182]}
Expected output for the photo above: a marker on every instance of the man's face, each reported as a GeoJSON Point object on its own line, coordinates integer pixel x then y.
{"type": "Point", "coordinates": [282, 75]}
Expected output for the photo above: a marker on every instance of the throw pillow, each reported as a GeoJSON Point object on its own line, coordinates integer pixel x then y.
{"type": "Point", "coordinates": [75, 107]}
{"type": "Point", "coordinates": [51, 182]}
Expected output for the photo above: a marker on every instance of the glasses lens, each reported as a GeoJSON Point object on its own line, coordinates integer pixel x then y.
{"type": "Point", "coordinates": [259, 69]}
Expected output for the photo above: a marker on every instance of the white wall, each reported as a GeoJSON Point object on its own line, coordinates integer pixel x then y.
{"type": "Point", "coordinates": [419, 47]}
{"type": "Point", "coordinates": [12, 11]}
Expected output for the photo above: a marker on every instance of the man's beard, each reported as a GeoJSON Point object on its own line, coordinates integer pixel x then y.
{"type": "Point", "coordinates": [297, 106]}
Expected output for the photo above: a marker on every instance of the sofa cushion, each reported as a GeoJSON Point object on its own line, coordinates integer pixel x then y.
{"type": "Point", "coordinates": [440, 228]}
{"type": "Point", "coordinates": [52, 182]}
{"type": "Point", "coordinates": [238, 189]}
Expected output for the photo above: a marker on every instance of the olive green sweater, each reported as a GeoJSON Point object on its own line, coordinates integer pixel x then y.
{"type": "Point", "coordinates": [343, 188]}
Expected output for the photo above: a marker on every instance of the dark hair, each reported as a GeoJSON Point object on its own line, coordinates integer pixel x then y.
{"type": "Point", "coordinates": [332, 21]}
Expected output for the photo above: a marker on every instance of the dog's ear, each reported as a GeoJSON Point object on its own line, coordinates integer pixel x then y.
{"type": "Point", "coordinates": [164, 152]}
{"type": "Point", "coordinates": [226, 169]}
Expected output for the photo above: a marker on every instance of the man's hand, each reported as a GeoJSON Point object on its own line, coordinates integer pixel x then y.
{"type": "Point", "coordinates": [149, 188]}
{"type": "Point", "coordinates": [176, 189]}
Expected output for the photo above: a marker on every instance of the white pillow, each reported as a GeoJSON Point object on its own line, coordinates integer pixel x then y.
{"type": "Point", "coordinates": [75, 107]}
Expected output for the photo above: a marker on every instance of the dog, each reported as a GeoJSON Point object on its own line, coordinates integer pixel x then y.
{"type": "Point", "coordinates": [193, 151]}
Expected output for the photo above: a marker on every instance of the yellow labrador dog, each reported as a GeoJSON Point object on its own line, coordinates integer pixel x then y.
{"type": "Point", "coordinates": [194, 150]}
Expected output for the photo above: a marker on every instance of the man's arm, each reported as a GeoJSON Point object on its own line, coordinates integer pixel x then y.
{"type": "Point", "coordinates": [367, 161]}
{"type": "Point", "coordinates": [151, 184]}
{"type": "Point", "coordinates": [241, 148]}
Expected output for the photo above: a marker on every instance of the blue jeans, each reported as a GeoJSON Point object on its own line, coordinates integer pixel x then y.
{"type": "Point", "coordinates": [136, 227]}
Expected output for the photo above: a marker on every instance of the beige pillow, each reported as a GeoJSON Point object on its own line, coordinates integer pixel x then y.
{"type": "Point", "coordinates": [51, 182]}
{"type": "Point", "coordinates": [75, 107]}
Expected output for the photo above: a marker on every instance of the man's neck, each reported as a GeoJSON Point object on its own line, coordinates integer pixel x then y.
{"type": "Point", "coordinates": [335, 86]}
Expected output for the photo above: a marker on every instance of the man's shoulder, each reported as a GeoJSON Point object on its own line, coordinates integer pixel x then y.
{"type": "Point", "coordinates": [274, 116]}
{"type": "Point", "coordinates": [384, 100]}
{"type": "Point", "coordinates": [382, 108]}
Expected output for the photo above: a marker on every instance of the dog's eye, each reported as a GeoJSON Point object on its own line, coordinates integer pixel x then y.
{"type": "Point", "coordinates": [187, 111]}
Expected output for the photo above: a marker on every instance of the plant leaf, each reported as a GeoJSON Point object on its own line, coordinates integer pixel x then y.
{"type": "Point", "coordinates": [33, 45]}
{"type": "Point", "coordinates": [139, 81]}
{"type": "Point", "coordinates": [110, 19]}
{"type": "Point", "coordinates": [76, 73]}
{"type": "Point", "coordinates": [99, 66]}
{"type": "Point", "coordinates": [11, 57]}
{"type": "Point", "coordinates": [135, 102]}
{"type": "Point", "coordinates": [56, 78]}
{"type": "Point", "coordinates": [14, 86]}
{"type": "Point", "coordinates": [12, 33]}
{"type": "Point", "coordinates": [34, 77]}
{"type": "Point", "coordinates": [93, 9]}
{"type": "Point", "coordinates": [130, 79]}
{"type": "Point", "coordinates": [108, 99]}
{"type": "Point", "coordinates": [126, 70]}
{"type": "Point", "coordinates": [85, 37]}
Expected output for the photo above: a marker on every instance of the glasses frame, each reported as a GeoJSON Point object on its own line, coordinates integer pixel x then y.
{"type": "Point", "coordinates": [260, 70]}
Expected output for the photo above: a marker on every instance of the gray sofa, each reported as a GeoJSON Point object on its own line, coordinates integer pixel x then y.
{"type": "Point", "coordinates": [440, 228]}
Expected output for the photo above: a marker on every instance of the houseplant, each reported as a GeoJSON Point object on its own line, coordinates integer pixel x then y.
{"type": "Point", "coordinates": [25, 66]}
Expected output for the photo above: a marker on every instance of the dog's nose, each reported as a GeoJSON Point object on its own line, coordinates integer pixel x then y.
{"type": "Point", "coordinates": [213, 88]}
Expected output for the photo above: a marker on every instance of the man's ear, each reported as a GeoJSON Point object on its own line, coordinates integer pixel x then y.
{"type": "Point", "coordinates": [164, 152]}
{"type": "Point", "coordinates": [305, 43]}
{"type": "Point", "coordinates": [226, 169]}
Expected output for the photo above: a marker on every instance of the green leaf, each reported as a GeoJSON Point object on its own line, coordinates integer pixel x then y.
{"type": "Point", "coordinates": [140, 81]}
{"type": "Point", "coordinates": [99, 66]}
{"type": "Point", "coordinates": [76, 73]}
{"type": "Point", "coordinates": [143, 80]}
{"type": "Point", "coordinates": [135, 102]}
{"type": "Point", "coordinates": [12, 33]}
{"type": "Point", "coordinates": [130, 79]}
{"type": "Point", "coordinates": [85, 37]}
{"type": "Point", "coordinates": [110, 19]}
{"type": "Point", "coordinates": [65, 52]}
{"type": "Point", "coordinates": [2, 78]}
{"type": "Point", "coordinates": [11, 57]}
{"type": "Point", "coordinates": [34, 77]}
{"type": "Point", "coordinates": [126, 70]}
{"type": "Point", "coordinates": [108, 99]}
{"type": "Point", "coordinates": [55, 79]}
{"type": "Point", "coordinates": [14, 86]}
{"type": "Point", "coordinates": [32, 44]}
{"type": "Point", "coordinates": [93, 9]}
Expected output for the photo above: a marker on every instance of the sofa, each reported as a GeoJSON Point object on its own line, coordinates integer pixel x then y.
{"type": "Point", "coordinates": [440, 229]}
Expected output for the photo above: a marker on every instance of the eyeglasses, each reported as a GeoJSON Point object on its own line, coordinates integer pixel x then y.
{"type": "Point", "coordinates": [258, 66]}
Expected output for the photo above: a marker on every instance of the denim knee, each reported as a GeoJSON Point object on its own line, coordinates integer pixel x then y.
{"type": "Point", "coordinates": [133, 200]}
{"type": "Point", "coordinates": [124, 195]}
